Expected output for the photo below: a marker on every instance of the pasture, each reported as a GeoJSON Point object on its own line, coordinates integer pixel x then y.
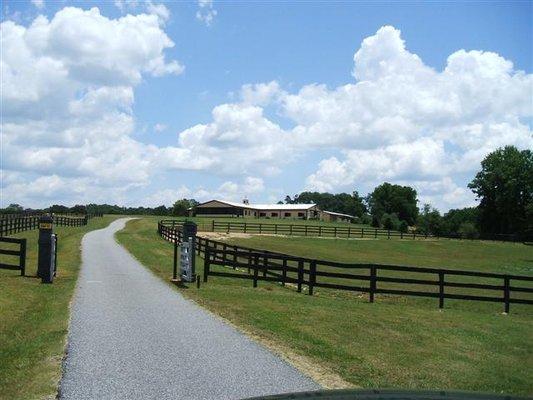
{"type": "Point", "coordinates": [397, 342]}
{"type": "Point", "coordinates": [34, 316]}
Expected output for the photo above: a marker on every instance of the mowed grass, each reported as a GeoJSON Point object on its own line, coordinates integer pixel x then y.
{"type": "Point", "coordinates": [396, 342]}
{"type": "Point", "coordinates": [34, 316]}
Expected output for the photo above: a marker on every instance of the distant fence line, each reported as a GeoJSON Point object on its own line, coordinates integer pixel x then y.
{"type": "Point", "coordinates": [333, 231]}
{"type": "Point", "coordinates": [11, 225]}
{"type": "Point", "coordinates": [260, 265]}
{"type": "Point", "coordinates": [19, 253]}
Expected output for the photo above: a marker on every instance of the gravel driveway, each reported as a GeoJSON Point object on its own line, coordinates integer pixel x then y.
{"type": "Point", "coordinates": [134, 337]}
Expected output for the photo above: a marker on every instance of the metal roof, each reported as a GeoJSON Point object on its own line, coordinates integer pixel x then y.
{"type": "Point", "coordinates": [339, 214]}
{"type": "Point", "coordinates": [287, 207]}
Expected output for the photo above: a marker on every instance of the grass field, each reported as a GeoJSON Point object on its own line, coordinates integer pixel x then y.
{"type": "Point", "coordinates": [396, 342]}
{"type": "Point", "coordinates": [34, 317]}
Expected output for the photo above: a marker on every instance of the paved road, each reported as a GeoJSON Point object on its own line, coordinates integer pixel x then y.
{"type": "Point", "coordinates": [134, 337]}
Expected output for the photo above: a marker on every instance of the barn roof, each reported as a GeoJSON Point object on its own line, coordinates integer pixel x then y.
{"type": "Point", "coordinates": [287, 207]}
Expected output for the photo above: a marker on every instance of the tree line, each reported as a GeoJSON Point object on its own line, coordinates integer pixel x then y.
{"type": "Point", "coordinates": [503, 186]}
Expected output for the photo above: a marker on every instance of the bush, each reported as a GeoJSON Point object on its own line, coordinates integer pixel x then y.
{"type": "Point", "coordinates": [468, 230]}
{"type": "Point", "coordinates": [404, 227]}
{"type": "Point", "coordinates": [375, 221]}
{"type": "Point", "coordinates": [390, 221]}
{"type": "Point", "coordinates": [366, 219]}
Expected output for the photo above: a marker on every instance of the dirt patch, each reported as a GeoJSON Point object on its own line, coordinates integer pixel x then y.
{"type": "Point", "coordinates": [224, 236]}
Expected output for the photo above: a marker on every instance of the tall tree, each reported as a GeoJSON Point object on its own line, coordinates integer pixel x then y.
{"type": "Point", "coordinates": [180, 207]}
{"type": "Point", "coordinates": [505, 189]}
{"type": "Point", "coordinates": [388, 199]}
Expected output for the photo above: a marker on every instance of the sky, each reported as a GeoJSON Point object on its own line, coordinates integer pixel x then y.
{"type": "Point", "coordinates": [137, 102]}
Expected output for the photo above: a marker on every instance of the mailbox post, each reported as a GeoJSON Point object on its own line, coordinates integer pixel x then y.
{"type": "Point", "coordinates": [46, 267]}
{"type": "Point", "coordinates": [188, 252]}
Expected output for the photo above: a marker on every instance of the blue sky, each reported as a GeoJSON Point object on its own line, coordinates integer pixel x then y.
{"type": "Point", "coordinates": [295, 46]}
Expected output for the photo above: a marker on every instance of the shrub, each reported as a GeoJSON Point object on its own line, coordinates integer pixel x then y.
{"type": "Point", "coordinates": [468, 230]}
{"type": "Point", "coordinates": [375, 222]}
{"type": "Point", "coordinates": [404, 227]}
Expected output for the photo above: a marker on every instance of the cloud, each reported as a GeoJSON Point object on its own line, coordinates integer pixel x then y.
{"type": "Point", "coordinates": [38, 3]}
{"type": "Point", "coordinates": [160, 127]}
{"type": "Point", "coordinates": [68, 94]}
{"type": "Point", "coordinates": [206, 13]}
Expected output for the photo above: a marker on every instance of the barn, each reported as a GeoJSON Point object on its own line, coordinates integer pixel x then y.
{"type": "Point", "coordinates": [223, 208]}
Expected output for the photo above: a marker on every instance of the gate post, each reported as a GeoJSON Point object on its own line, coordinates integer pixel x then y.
{"type": "Point", "coordinates": [47, 250]}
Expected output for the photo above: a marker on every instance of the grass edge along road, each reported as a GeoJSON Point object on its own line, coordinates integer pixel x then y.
{"type": "Point", "coordinates": [34, 317]}
{"type": "Point", "coordinates": [396, 342]}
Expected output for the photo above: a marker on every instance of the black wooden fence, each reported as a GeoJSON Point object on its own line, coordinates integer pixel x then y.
{"type": "Point", "coordinates": [11, 225]}
{"type": "Point", "coordinates": [19, 254]}
{"type": "Point", "coordinates": [346, 231]}
{"type": "Point", "coordinates": [311, 230]}
{"type": "Point", "coordinates": [260, 265]}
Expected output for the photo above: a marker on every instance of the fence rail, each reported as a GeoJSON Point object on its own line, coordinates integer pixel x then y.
{"type": "Point", "coordinates": [260, 265]}
{"type": "Point", "coordinates": [20, 254]}
{"type": "Point", "coordinates": [12, 225]}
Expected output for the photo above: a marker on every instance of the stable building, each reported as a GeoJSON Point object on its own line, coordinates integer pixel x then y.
{"type": "Point", "coordinates": [223, 208]}
{"type": "Point", "coordinates": [330, 216]}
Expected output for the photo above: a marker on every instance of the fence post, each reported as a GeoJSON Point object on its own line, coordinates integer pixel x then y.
{"type": "Point", "coordinates": [401, 234]}
{"type": "Point", "coordinates": [300, 275]}
{"type": "Point", "coordinates": [260, 230]}
{"type": "Point", "coordinates": [362, 232]}
{"type": "Point", "coordinates": [506, 293]}
{"type": "Point", "coordinates": [312, 276]}
{"type": "Point", "coordinates": [441, 290]}
{"type": "Point", "coordinates": [175, 266]}
{"type": "Point", "coordinates": [22, 260]}
{"type": "Point", "coordinates": [265, 265]}
{"type": "Point", "coordinates": [245, 227]}
{"type": "Point", "coordinates": [207, 263]}
{"type": "Point", "coordinates": [212, 225]}
{"type": "Point", "coordinates": [290, 230]}
{"type": "Point", "coordinates": [234, 257]}
{"type": "Point", "coordinates": [256, 269]}
{"type": "Point", "coordinates": [388, 234]}
{"type": "Point", "coordinates": [335, 231]}
{"type": "Point", "coordinates": [349, 232]}
{"type": "Point", "coordinates": [376, 233]}
{"type": "Point", "coordinates": [284, 272]}
{"type": "Point", "coordinates": [320, 230]}
{"type": "Point", "coordinates": [372, 282]}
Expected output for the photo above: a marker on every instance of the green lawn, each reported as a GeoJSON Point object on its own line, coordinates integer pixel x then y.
{"type": "Point", "coordinates": [34, 317]}
{"type": "Point", "coordinates": [396, 342]}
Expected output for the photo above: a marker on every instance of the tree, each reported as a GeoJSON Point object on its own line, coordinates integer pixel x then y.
{"type": "Point", "coordinates": [161, 210]}
{"type": "Point", "coordinates": [404, 227]}
{"type": "Point", "coordinates": [453, 219]}
{"type": "Point", "coordinates": [429, 221]}
{"type": "Point", "coordinates": [345, 203]}
{"type": "Point", "coordinates": [504, 187]}
{"type": "Point", "coordinates": [14, 208]}
{"type": "Point", "coordinates": [467, 230]}
{"type": "Point", "coordinates": [180, 208]}
{"type": "Point", "coordinates": [390, 221]}
{"type": "Point", "coordinates": [388, 198]}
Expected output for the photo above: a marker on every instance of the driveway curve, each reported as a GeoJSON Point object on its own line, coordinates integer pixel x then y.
{"type": "Point", "coordinates": [133, 337]}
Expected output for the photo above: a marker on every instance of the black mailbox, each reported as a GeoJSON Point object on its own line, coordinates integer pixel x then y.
{"type": "Point", "coordinates": [46, 267]}
{"type": "Point", "coordinates": [189, 235]}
